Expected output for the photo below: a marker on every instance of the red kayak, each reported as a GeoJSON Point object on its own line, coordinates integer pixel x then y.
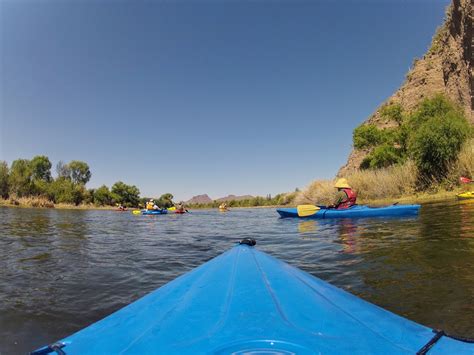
{"type": "Point", "coordinates": [180, 212]}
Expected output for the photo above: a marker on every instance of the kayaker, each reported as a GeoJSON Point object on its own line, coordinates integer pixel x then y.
{"type": "Point", "coordinates": [180, 208]}
{"type": "Point", "coordinates": [149, 204]}
{"type": "Point", "coordinates": [345, 197]}
{"type": "Point", "coordinates": [223, 206]}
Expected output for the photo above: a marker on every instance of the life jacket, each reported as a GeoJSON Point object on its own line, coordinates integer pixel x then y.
{"type": "Point", "coordinates": [349, 201]}
{"type": "Point", "coordinates": [149, 206]}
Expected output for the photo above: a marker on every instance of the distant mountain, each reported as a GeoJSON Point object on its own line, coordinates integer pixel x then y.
{"type": "Point", "coordinates": [199, 199]}
{"type": "Point", "coordinates": [234, 198]}
{"type": "Point", "coordinates": [206, 199]}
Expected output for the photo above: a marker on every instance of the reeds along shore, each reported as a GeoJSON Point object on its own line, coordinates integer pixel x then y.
{"type": "Point", "coordinates": [400, 182]}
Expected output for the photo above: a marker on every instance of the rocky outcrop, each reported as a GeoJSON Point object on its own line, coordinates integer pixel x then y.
{"type": "Point", "coordinates": [445, 68]}
{"type": "Point", "coordinates": [199, 199]}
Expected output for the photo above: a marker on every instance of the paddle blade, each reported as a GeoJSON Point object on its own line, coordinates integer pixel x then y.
{"type": "Point", "coordinates": [307, 210]}
{"type": "Point", "coordinates": [136, 212]}
{"type": "Point", "coordinates": [465, 180]}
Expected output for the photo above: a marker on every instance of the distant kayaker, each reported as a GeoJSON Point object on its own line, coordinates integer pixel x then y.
{"type": "Point", "coordinates": [149, 204]}
{"type": "Point", "coordinates": [223, 206]}
{"type": "Point", "coordinates": [180, 208]}
{"type": "Point", "coordinates": [345, 197]}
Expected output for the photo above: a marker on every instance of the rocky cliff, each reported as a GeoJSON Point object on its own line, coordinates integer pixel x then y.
{"type": "Point", "coordinates": [445, 68]}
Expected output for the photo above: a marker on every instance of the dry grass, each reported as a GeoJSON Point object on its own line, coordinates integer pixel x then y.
{"type": "Point", "coordinates": [392, 182]}
{"type": "Point", "coordinates": [32, 201]}
{"type": "Point", "coordinates": [378, 184]}
{"type": "Point", "coordinates": [319, 192]}
{"type": "Point", "coordinates": [465, 164]}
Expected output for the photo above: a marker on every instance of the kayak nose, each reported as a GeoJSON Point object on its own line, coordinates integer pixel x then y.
{"type": "Point", "coordinates": [264, 347]}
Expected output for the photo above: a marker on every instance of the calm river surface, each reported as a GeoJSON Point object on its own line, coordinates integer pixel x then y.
{"type": "Point", "coordinates": [61, 270]}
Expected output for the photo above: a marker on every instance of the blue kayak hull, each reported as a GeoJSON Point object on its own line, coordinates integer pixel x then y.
{"type": "Point", "coordinates": [245, 301]}
{"type": "Point", "coordinates": [356, 212]}
{"type": "Point", "coordinates": [153, 212]}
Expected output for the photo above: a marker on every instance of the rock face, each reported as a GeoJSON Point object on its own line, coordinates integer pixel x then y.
{"type": "Point", "coordinates": [199, 199]}
{"type": "Point", "coordinates": [446, 68]}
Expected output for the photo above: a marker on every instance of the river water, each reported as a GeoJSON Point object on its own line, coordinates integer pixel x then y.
{"type": "Point", "coordinates": [61, 270]}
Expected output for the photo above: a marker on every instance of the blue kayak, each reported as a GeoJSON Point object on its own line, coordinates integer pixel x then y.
{"type": "Point", "coordinates": [152, 212]}
{"type": "Point", "coordinates": [357, 211]}
{"type": "Point", "coordinates": [247, 302]}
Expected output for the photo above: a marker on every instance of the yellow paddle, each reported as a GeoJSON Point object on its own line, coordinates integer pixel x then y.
{"type": "Point", "coordinates": [307, 210]}
{"type": "Point", "coordinates": [136, 211]}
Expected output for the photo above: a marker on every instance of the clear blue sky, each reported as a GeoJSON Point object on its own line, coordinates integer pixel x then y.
{"type": "Point", "coordinates": [192, 97]}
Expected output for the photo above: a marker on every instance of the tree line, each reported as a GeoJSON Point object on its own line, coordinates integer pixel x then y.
{"type": "Point", "coordinates": [277, 200]}
{"type": "Point", "coordinates": [33, 178]}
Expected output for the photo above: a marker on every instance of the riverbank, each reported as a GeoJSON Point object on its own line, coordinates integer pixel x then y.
{"type": "Point", "coordinates": [38, 203]}
{"type": "Point", "coordinates": [424, 197]}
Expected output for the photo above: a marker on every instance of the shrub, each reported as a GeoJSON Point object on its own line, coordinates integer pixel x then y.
{"type": "Point", "coordinates": [127, 195]}
{"type": "Point", "coordinates": [165, 200]}
{"type": "Point", "coordinates": [4, 186]}
{"type": "Point", "coordinates": [63, 190]}
{"type": "Point", "coordinates": [103, 196]}
{"type": "Point", "coordinates": [382, 156]}
{"type": "Point", "coordinates": [366, 136]}
{"type": "Point", "coordinates": [392, 112]}
{"type": "Point", "coordinates": [439, 130]}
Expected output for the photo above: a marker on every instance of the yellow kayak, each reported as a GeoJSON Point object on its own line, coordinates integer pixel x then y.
{"type": "Point", "coordinates": [466, 195]}
{"type": "Point", "coordinates": [171, 208]}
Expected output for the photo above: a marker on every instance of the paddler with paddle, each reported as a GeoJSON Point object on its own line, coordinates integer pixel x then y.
{"type": "Point", "coordinates": [345, 197]}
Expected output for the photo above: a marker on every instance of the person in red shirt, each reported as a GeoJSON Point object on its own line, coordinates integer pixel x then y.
{"type": "Point", "coordinates": [346, 197]}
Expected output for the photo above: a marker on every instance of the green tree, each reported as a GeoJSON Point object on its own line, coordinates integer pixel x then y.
{"type": "Point", "coordinates": [63, 170]}
{"type": "Point", "coordinates": [41, 168]}
{"type": "Point", "coordinates": [436, 143]}
{"type": "Point", "coordinates": [63, 190]}
{"type": "Point", "coordinates": [127, 195]}
{"type": "Point", "coordinates": [103, 196]}
{"type": "Point", "coordinates": [4, 185]}
{"type": "Point", "coordinates": [20, 178]}
{"type": "Point", "coordinates": [80, 172]}
{"type": "Point", "coordinates": [165, 200]}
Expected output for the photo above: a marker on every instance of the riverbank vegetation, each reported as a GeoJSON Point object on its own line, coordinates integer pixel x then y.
{"type": "Point", "coordinates": [31, 183]}
{"type": "Point", "coordinates": [422, 153]}
{"type": "Point", "coordinates": [258, 201]}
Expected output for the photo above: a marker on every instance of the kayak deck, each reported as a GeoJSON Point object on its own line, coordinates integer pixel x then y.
{"type": "Point", "coordinates": [357, 211]}
{"type": "Point", "coordinates": [245, 301]}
